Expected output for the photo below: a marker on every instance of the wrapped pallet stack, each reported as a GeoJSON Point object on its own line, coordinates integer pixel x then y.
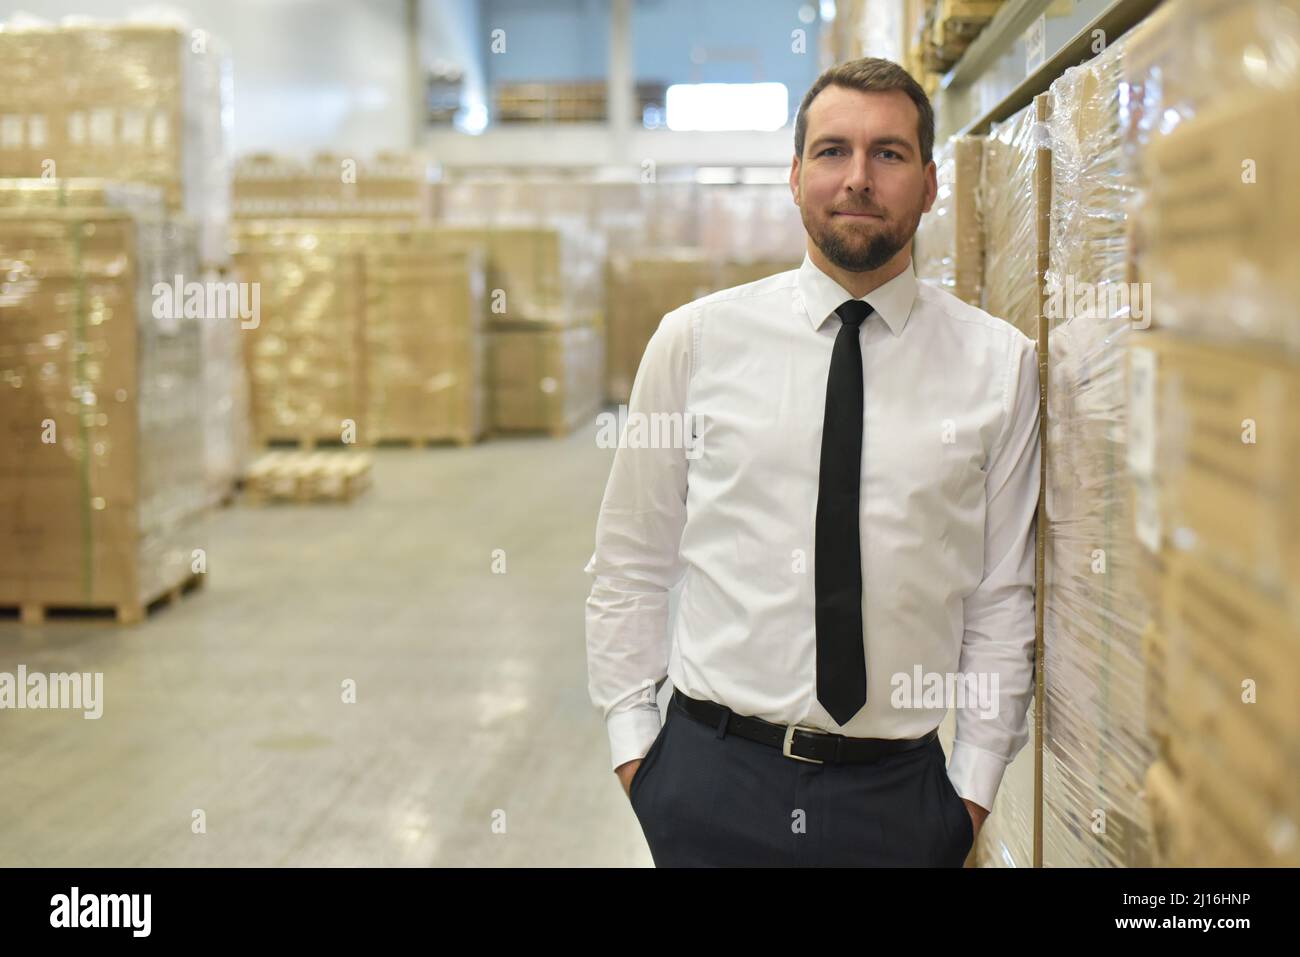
{"type": "Point", "coordinates": [101, 469]}
{"type": "Point", "coordinates": [1096, 746]}
{"type": "Point", "coordinates": [949, 247]}
{"type": "Point", "coordinates": [1013, 204]}
{"type": "Point", "coordinates": [369, 333]}
{"type": "Point", "coordinates": [384, 186]}
{"type": "Point", "coordinates": [1213, 387]}
{"type": "Point", "coordinates": [140, 102]}
{"type": "Point", "coordinates": [1015, 193]}
{"type": "Point", "coordinates": [545, 326]}
{"type": "Point", "coordinates": [305, 359]}
{"type": "Point", "coordinates": [424, 343]}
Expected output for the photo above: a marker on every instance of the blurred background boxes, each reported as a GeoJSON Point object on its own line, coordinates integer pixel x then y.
{"type": "Point", "coordinates": [949, 247]}
{"type": "Point", "coordinates": [134, 102]}
{"type": "Point", "coordinates": [386, 185]}
{"type": "Point", "coordinates": [545, 379]}
{"type": "Point", "coordinates": [102, 474]}
{"type": "Point", "coordinates": [369, 332]}
{"type": "Point", "coordinates": [1096, 747]}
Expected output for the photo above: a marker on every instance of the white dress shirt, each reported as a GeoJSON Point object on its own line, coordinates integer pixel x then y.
{"type": "Point", "coordinates": [950, 478]}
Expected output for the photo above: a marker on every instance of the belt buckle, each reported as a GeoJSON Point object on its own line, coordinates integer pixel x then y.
{"type": "Point", "coordinates": [789, 739]}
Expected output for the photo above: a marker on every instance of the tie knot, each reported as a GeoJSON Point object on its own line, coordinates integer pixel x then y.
{"type": "Point", "coordinates": [853, 311]}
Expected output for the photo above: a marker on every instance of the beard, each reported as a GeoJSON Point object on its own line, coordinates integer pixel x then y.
{"type": "Point", "coordinates": [854, 250]}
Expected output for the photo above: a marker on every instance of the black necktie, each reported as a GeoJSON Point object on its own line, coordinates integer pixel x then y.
{"type": "Point", "coordinates": [837, 570]}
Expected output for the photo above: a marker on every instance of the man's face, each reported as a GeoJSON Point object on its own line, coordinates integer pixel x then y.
{"type": "Point", "coordinates": [860, 185]}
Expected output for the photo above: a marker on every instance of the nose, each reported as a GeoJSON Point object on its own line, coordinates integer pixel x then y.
{"type": "Point", "coordinates": [859, 173]}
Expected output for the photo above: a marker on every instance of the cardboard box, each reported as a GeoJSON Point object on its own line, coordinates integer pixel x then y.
{"type": "Point", "coordinates": [1016, 199]}
{"type": "Point", "coordinates": [424, 345]}
{"type": "Point", "coordinates": [1229, 679]}
{"type": "Point", "coordinates": [128, 102]}
{"type": "Point", "coordinates": [544, 380]}
{"type": "Point", "coordinates": [102, 429]}
{"type": "Point", "coordinates": [950, 247]}
{"type": "Point", "coordinates": [370, 331]}
{"type": "Point", "coordinates": [386, 185]}
{"type": "Point", "coordinates": [1223, 440]}
{"type": "Point", "coordinates": [1221, 254]}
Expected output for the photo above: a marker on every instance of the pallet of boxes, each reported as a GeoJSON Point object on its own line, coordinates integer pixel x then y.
{"type": "Point", "coordinates": [545, 331]}
{"type": "Point", "coordinates": [1096, 744]}
{"type": "Point", "coordinates": [544, 241]}
{"type": "Point", "coordinates": [102, 479]}
{"type": "Point", "coordinates": [949, 249]}
{"type": "Point", "coordinates": [122, 425]}
{"type": "Point", "coordinates": [1014, 192]}
{"type": "Point", "coordinates": [951, 26]}
{"type": "Point", "coordinates": [372, 333]}
{"type": "Point", "coordinates": [1214, 381]}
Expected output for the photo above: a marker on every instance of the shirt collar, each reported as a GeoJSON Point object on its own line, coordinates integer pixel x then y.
{"type": "Point", "coordinates": [822, 295]}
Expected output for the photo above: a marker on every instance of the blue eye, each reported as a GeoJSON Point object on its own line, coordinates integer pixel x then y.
{"type": "Point", "coordinates": [828, 150]}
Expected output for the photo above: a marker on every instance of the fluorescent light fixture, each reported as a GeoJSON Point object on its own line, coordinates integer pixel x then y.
{"type": "Point", "coordinates": [719, 107]}
{"type": "Point", "coordinates": [716, 175]}
{"type": "Point", "coordinates": [472, 119]}
{"type": "Point", "coordinates": [765, 175]}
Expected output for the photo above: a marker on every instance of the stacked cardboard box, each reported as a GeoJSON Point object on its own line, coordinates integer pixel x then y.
{"type": "Point", "coordinates": [306, 358]}
{"type": "Point", "coordinates": [1015, 195]}
{"type": "Point", "coordinates": [387, 185]}
{"type": "Point", "coordinates": [544, 379]}
{"type": "Point", "coordinates": [145, 103]}
{"type": "Point", "coordinates": [132, 102]}
{"type": "Point", "coordinates": [576, 102]}
{"type": "Point", "coordinates": [424, 342]}
{"type": "Point", "coordinates": [751, 222]}
{"type": "Point", "coordinates": [534, 275]}
{"type": "Point", "coordinates": [1213, 99]}
{"type": "Point", "coordinates": [950, 244]}
{"type": "Point", "coordinates": [1015, 200]}
{"type": "Point", "coordinates": [369, 332]}
{"type": "Point", "coordinates": [953, 27]}
{"type": "Point", "coordinates": [546, 330]}
{"type": "Point", "coordinates": [101, 465]}
{"type": "Point", "coordinates": [1096, 745]}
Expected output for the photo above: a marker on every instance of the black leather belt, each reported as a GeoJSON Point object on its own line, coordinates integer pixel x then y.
{"type": "Point", "coordinates": [796, 741]}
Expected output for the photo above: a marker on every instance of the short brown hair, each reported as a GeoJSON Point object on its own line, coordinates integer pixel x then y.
{"type": "Point", "coordinates": [871, 75]}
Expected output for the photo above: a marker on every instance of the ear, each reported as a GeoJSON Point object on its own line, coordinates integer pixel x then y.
{"type": "Point", "coordinates": [931, 185]}
{"type": "Point", "coordinates": [794, 180]}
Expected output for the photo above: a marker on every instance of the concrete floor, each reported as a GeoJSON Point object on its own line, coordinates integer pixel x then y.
{"type": "Point", "coordinates": [471, 687]}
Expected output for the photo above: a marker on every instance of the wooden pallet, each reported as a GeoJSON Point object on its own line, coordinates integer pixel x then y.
{"type": "Point", "coordinates": [422, 442]}
{"type": "Point", "coordinates": [307, 443]}
{"type": "Point", "coordinates": [128, 613]}
{"type": "Point", "coordinates": [307, 477]}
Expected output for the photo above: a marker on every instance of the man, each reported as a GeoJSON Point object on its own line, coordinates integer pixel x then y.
{"type": "Point", "coordinates": [851, 507]}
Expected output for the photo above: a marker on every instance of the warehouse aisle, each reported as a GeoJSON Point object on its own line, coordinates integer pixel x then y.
{"type": "Point", "coordinates": [230, 703]}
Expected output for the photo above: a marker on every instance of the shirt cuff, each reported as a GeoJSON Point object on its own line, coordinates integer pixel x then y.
{"type": "Point", "coordinates": [975, 773]}
{"type": "Point", "coordinates": [632, 732]}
